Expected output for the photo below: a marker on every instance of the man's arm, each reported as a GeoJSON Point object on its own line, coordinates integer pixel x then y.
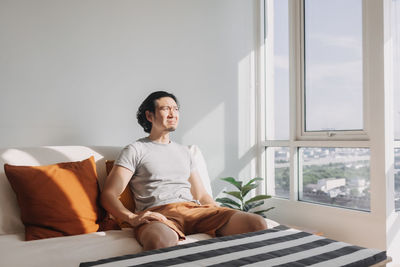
{"type": "Point", "coordinates": [115, 184]}
{"type": "Point", "coordinates": [198, 190]}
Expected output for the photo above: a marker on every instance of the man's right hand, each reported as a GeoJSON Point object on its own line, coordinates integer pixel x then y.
{"type": "Point", "coordinates": [146, 217]}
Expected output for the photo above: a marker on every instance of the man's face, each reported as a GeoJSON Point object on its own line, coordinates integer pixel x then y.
{"type": "Point", "coordinates": [166, 115]}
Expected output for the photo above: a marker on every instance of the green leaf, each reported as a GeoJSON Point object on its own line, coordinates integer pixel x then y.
{"type": "Point", "coordinates": [236, 194]}
{"type": "Point", "coordinates": [247, 188]}
{"type": "Point", "coordinates": [257, 198]}
{"type": "Point", "coordinates": [231, 180]}
{"type": "Point", "coordinates": [263, 211]}
{"type": "Point", "coordinates": [254, 204]}
{"type": "Point", "coordinates": [254, 180]}
{"type": "Point", "coordinates": [226, 200]}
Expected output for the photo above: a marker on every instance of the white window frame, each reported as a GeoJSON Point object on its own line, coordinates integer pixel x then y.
{"type": "Point", "coordinates": [297, 46]}
{"type": "Point", "coordinates": [377, 93]}
{"type": "Point", "coordinates": [298, 137]}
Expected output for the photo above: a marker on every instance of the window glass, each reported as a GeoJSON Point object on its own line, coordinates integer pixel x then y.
{"type": "Point", "coordinates": [278, 78]}
{"type": "Point", "coordinates": [335, 176]}
{"type": "Point", "coordinates": [279, 164]}
{"type": "Point", "coordinates": [396, 65]}
{"type": "Point", "coordinates": [396, 90]}
{"type": "Point", "coordinates": [397, 178]}
{"type": "Point", "coordinates": [333, 65]}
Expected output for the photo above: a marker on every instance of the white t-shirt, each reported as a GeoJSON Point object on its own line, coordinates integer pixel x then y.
{"type": "Point", "coordinates": [160, 172]}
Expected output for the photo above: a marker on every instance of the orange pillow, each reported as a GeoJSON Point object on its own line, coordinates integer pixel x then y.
{"type": "Point", "coordinates": [56, 200]}
{"type": "Point", "coordinates": [126, 197]}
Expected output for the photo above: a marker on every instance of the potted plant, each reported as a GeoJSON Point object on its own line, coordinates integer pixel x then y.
{"type": "Point", "coordinates": [241, 193]}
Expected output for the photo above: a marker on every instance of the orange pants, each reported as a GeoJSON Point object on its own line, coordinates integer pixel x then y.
{"type": "Point", "coordinates": [190, 218]}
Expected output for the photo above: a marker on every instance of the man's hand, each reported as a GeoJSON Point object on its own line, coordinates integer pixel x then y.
{"type": "Point", "coordinates": [214, 204]}
{"type": "Point", "coordinates": [147, 217]}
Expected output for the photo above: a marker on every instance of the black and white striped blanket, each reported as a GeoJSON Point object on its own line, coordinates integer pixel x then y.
{"type": "Point", "coordinates": [279, 246]}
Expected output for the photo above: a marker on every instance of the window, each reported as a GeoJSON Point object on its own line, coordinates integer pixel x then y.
{"type": "Point", "coordinates": [337, 169]}
{"type": "Point", "coordinates": [397, 178]}
{"type": "Point", "coordinates": [315, 103]}
{"type": "Point", "coordinates": [277, 97]}
{"type": "Point", "coordinates": [280, 168]}
{"type": "Point", "coordinates": [335, 176]}
{"type": "Point", "coordinates": [396, 89]}
{"type": "Point", "coordinates": [333, 65]}
{"type": "Point", "coordinates": [278, 72]}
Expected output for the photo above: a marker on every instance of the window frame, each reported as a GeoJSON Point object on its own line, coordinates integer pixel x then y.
{"type": "Point", "coordinates": [297, 17]}
{"type": "Point", "coordinates": [298, 137]}
{"type": "Point", "coordinates": [335, 221]}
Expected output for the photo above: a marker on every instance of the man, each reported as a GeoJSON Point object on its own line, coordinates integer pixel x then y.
{"type": "Point", "coordinates": [170, 198]}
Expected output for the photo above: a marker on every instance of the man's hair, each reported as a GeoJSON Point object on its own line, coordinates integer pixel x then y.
{"type": "Point", "coordinates": [149, 104]}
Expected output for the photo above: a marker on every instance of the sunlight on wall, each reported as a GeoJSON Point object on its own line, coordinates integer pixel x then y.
{"type": "Point", "coordinates": [75, 152]}
{"type": "Point", "coordinates": [246, 117]}
{"type": "Point", "coordinates": [63, 154]}
{"type": "Point", "coordinates": [211, 129]}
{"type": "Point", "coordinates": [245, 104]}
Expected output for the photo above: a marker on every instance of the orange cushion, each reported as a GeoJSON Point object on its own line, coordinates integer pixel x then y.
{"type": "Point", "coordinates": [126, 197]}
{"type": "Point", "coordinates": [56, 200]}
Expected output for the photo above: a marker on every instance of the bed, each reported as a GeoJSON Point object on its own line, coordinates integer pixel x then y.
{"type": "Point", "coordinates": [279, 246]}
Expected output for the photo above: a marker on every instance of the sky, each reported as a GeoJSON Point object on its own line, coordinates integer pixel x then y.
{"type": "Point", "coordinates": [333, 66]}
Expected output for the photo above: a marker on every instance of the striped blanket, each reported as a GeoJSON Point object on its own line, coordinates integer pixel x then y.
{"type": "Point", "coordinates": [279, 246]}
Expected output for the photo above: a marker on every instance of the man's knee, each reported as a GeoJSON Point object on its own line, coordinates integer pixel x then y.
{"type": "Point", "coordinates": [257, 223]}
{"type": "Point", "coordinates": [156, 241]}
{"type": "Point", "coordinates": [158, 235]}
{"type": "Point", "coordinates": [243, 222]}
{"type": "Point", "coordinates": [251, 222]}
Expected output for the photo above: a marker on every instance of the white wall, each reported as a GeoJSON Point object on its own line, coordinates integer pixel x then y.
{"type": "Point", "coordinates": [73, 72]}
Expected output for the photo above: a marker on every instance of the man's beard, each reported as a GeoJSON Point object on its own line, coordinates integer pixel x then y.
{"type": "Point", "coordinates": [171, 129]}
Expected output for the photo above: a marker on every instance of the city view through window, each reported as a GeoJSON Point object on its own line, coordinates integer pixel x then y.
{"type": "Point", "coordinates": [333, 176]}
{"type": "Point", "coordinates": [336, 176]}
{"type": "Point", "coordinates": [281, 171]}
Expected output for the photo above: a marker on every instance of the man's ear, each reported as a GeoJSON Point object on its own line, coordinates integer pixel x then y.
{"type": "Point", "coordinates": [149, 116]}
